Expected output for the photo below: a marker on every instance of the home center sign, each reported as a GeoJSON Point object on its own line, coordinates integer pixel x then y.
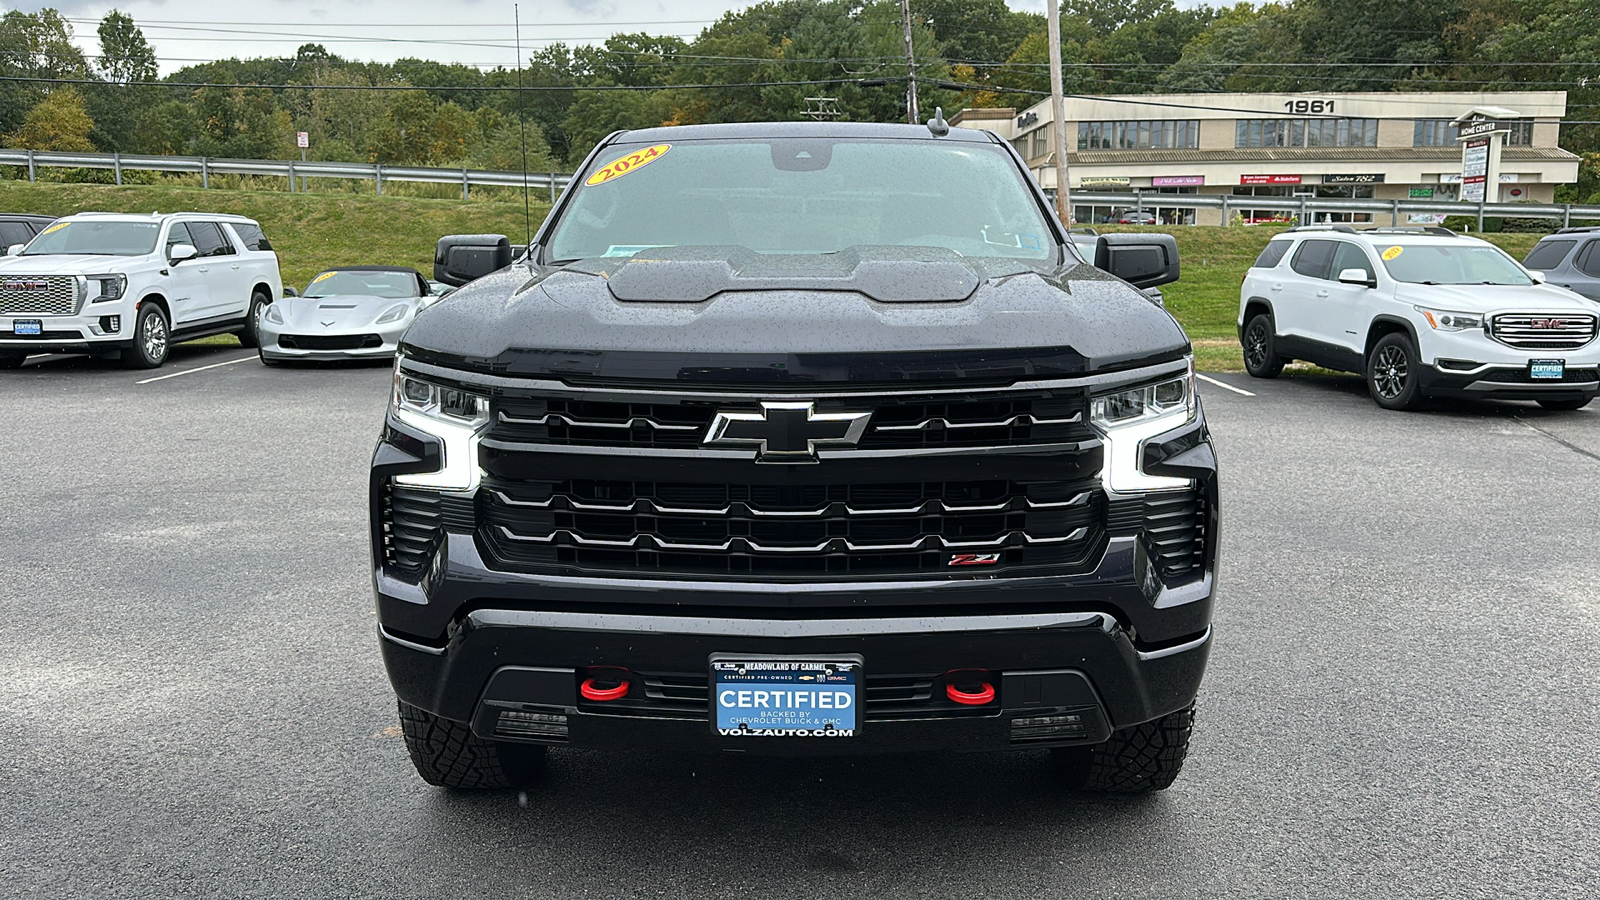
{"type": "Point", "coordinates": [1482, 132]}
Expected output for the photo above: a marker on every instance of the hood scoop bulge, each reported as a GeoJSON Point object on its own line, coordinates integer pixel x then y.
{"type": "Point", "coordinates": [695, 274]}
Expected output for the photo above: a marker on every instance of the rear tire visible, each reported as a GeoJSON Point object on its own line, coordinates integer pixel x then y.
{"type": "Point", "coordinates": [447, 754]}
{"type": "Point", "coordinates": [1565, 402]}
{"type": "Point", "coordinates": [250, 334]}
{"type": "Point", "coordinates": [11, 361]}
{"type": "Point", "coordinates": [1135, 760]}
{"type": "Point", "coordinates": [1394, 376]}
{"type": "Point", "coordinates": [151, 339]}
{"type": "Point", "coordinates": [1261, 358]}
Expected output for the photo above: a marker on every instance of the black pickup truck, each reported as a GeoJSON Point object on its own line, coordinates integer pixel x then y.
{"type": "Point", "coordinates": [799, 438]}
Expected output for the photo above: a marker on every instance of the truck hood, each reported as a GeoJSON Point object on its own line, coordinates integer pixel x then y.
{"type": "Point", "coordinates": [66, 264]}
{"type": "Point", "coordinates": [342, 312]}
{"type": "Point", "coordinates": [1485, 298]}
{"type": "Point", "coordinates": [865, 315]}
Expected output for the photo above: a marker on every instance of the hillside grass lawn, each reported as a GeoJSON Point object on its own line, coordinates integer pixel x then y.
{"type": "Point", "coordinates": [315, 231]}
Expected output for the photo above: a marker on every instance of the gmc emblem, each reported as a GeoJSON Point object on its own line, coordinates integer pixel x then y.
{"type": "Point", "coordinates": [23, 286]}
{"type": "Point", "coordinates": [1548, 323]}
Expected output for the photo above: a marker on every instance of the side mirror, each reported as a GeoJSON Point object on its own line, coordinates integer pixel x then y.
{"type": "Point", "coordinates": [177, 253]}
{"type": "Point", "coordinates": [1142, 260]}
{"type": "Point", "coordinates": [1537, 276]}
{"type": "Point", "coordinates": [1357, 276]}
{"type": "Point", "coordinates": [460, 258]}
{"type": "Point", "coordinates": [290, 292]}
{"type": "Point", "coordinates": [14, 250]}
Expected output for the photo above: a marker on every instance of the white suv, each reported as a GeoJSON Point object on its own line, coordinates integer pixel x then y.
{"type": "Point", "coordinates": [133, 285]}
{"type": "Point", "coordinates": [1421, 312]}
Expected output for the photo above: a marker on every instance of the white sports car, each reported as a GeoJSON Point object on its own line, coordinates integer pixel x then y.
{"type": "Point", "coordinates": [351, 312]}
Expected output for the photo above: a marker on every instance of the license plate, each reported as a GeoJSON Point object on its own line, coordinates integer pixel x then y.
{"type": "Point", "coordinates": [1552, 369]}
{"type": "Point", "coordinates": [27, 326]}
{"type": "Point", "coordinates": [785, 696]}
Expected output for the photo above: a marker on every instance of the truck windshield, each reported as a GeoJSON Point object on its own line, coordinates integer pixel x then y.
{"type": "Point", "coordinates": [802, 195]}
{"type": "Point", "coordinates": [90, 238]}
{"type": "Point", "coordinates": [1444, 264]}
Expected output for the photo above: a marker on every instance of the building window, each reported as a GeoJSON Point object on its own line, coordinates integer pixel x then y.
{"type": "Point", "coordinates": [1441, 133]}
{"type": "Point", "coordinates": [1159, 134]}
{"type": "Point", "coordinates": [1305, 133]}
{"type": "Point", "coordinates": [1041, 142]}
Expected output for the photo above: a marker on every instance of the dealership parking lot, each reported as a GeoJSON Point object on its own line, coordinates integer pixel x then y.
{"type": "Point", "coordinates": [1400, 700]}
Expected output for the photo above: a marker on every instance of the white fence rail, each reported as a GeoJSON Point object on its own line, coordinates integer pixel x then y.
{"type": "Point", "coordinates": [296, 171]}
{"type": "Point", "coordinates": [1305, 208]}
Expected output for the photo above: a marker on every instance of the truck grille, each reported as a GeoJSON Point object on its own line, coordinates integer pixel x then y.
{"type": "Point", "coordinates": [686, 695]}
{"type": "Point", "coordinates": [738, 530]}
{"type": "Point", "coordinates": [1005, 421]}
{"type": "Point", "coordinates": [1543, 331]}
{"type": "Point", "coordinates": [1173, 524]}
{"type": "Point", "coordinates": [42, 295]}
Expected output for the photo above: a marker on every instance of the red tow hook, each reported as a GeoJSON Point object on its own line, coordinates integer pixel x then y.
{"type": "Point", "coordinates": [607, 685]}
{"type": "Point", "coordinates": [969, 687]}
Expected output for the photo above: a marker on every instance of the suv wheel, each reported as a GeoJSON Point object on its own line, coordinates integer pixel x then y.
{"type": "Point", "coordinates": [150, 339]}
{"type": "Point", "coordinates": [1135, 760]}
{"type": "Point", "coordinates": [250, 334]}
{"type": "Point", "coordinates": [11, 361]}
{"type": "Point", "coordinates": [447, 754]}
{"type": "Point", "coordinates": [1565, 402]}
{"type": "Point", "coordinates": [1393, 375]}
{"type": "Point", "coordinates": [1260, 357]}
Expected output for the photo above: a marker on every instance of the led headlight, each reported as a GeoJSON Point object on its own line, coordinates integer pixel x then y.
{"type": "Point", "coordinates": [1127, 418]}
{"type": "Point", "coordinates": [273, 314]}
{"type": "Point", "coordinates": [393, 314]}
{"type": "Point", "coordinates": [454, 416]}
{"type": "Point", "coordinates": [105, 288]}
{"type": "Point", "coordinates": [1445, 320]}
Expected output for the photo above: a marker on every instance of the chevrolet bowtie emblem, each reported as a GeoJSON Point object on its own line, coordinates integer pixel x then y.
{"type": "Point", "coordinates": [787, 432]}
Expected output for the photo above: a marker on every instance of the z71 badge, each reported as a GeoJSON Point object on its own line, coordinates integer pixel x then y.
{"type": "Point", "coordinates": [974, 559]}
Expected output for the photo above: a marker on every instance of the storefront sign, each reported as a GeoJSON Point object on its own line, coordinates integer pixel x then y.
{"type": "Point", "coordinates": [1420, 193]}
{"type": "Point", "coordinates": [1269, 179]}
{"type": "Point", "coordinates": [1474, 169]}
{"type": "Point", "coordinates": [1103, 181]}
{"type": "Point", "coordinates": [1352, 179]}
{"type": "Point", "coordinates": [1481, 128]}
{"type": "Point", "coordinates": [1177, 180]}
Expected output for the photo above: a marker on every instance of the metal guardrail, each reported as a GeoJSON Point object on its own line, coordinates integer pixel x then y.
{"type": "Point", "coordinates": [294, 170]}
{"type": "Point", "coordinates": [1305, 207]}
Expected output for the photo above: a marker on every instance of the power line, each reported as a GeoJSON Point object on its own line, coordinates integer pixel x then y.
{"type": "Point", "coordinates": [460, 88]}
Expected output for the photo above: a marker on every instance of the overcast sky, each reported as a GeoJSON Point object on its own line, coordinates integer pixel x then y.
{"type": "Point", "coordinates": [476, 32]}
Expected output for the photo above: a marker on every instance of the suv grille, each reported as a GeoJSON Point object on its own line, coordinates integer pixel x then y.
{"type": "Point", "coordinates": [738, 530]}
{"type": "Point", "coordinates": [1543, 331]}
{"type": "Point", "coordinates": [1173, 523]}
{"type": "Point", "coordinates": [43, 295]}
{"type": "Point", "coordinates": [1006, 421]}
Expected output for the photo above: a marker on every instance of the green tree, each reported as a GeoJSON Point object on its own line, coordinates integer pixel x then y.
{"type": "Point", "coordinates": [124, 54]}
{"type": "Point", "coordinates": [34, 45]}
{"type": "Point", "coordinates": [59, 122]}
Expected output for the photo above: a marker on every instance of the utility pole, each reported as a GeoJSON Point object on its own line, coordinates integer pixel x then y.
{"type": "Point", "coordinates": [1058, 112]}
{"type": "Point", "coordinates": [913, 115]}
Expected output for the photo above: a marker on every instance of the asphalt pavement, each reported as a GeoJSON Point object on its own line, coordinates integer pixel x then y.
{"type": "Point", "coordinates": [1401, 699]}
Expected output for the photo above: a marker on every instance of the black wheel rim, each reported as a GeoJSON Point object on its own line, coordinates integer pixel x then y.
{"type": "Point", "coordinates": [1255, 346]}
{"type": "Point", "coordinates": [1389, 372]}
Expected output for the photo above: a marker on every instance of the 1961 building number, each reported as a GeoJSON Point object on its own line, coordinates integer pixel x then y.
{"type": "Point", "coordinates": [1309, 106]}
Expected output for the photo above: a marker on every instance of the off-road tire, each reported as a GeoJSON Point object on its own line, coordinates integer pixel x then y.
{"type": "Point", "coordinates": [12, 361]}
{"type": "Point", "coordinates": [1565, 402]}
{"type": "Point", "coordinates": [1135, 760]}
{"type": "Point", "coordinates": [250, 335]}
{"type": "Point", "coordinates": [447, 754]}
{"type": "Point", "coordinates": [1261, 357]}
{"type": "Point", "coordinates": [1394, 373]}
{"type": "Point", "coordinates": [146, 353]}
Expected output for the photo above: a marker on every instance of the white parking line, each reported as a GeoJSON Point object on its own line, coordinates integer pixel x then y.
{"type": "Point", "coordinates": [1224, 385]}
{"type": "Point", "coordinates": [198, 369]}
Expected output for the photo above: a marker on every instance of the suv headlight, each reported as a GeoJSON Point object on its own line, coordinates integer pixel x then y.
{"type": "Point", "coordinates": [455, 416]}
{"type": "Point", "coordinates": [393, 314]}
{"type": "Point", "coordinates": [1127, 418]}
{"type": "Point", "coordinates": [105, 288]}
{"type": "Point", "coordinates": [1446, 320]}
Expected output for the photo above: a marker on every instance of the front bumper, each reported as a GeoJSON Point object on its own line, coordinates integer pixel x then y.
{"type": "Point", "coordinates": [1503, 381]}
{"type": "Point", "coordinates": [84, 333]}
{"type": "Point", "coordinates": [360, 341]}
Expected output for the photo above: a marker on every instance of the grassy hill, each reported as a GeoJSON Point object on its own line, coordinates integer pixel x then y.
{"type": "Point", "coordinates": [314, 231]}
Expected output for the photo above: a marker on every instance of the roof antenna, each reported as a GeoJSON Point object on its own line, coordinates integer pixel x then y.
{"type": "Point", "coordinates": [937, 125]}
{"type": "Point", "coordinates": [522, 121]}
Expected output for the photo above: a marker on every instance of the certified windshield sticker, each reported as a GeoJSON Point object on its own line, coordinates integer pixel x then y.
{"type": "Point", "coordinates": [1392, 252]}
{"type": "Point", "coordinates": [635, 160]}
{"type": "Point", "coordinates": [56, 227]}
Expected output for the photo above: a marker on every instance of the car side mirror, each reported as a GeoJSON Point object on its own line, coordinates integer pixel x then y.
{"type": "Point", "coordinates": [290, 292]}
{"type": "Point", "coordinates": [177, 253]}
{"type": "Point", "coordinates": [1142, 260]}
{"type": "Point", "coordinates": [1357, 276]}
{"type": "Point", "coordinates": [460, 258]}
{"type": "Point", "coordinates": [14, 250]}
{"type": "Point", "coordinates": [1537, 276]}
